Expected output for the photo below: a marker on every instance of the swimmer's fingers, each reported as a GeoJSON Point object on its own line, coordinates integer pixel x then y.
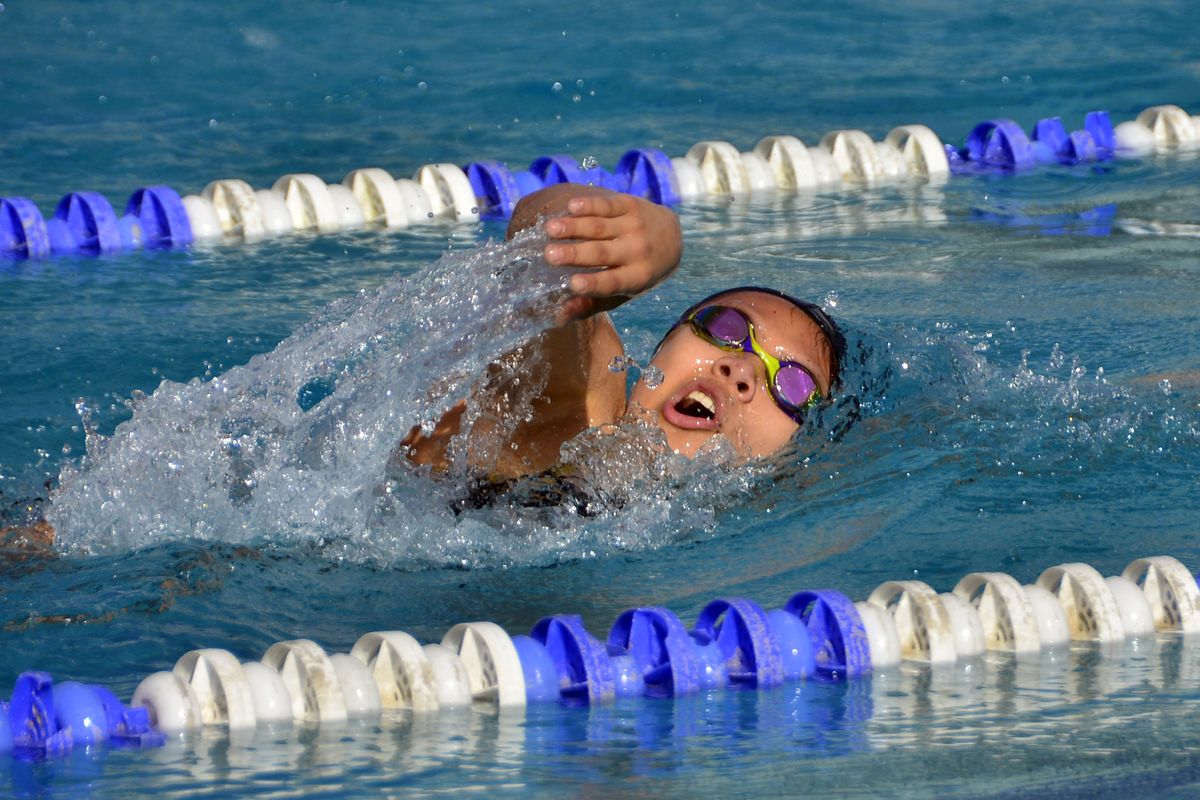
{"type": "Point", "coordinates": [603, 253]}
{"type": "Point", "coordinates": [596, 217]}
{"type": "Point", "coordinates": [606, 205]}
{"type": "Point", "coordinates": [589, 228]}
{"type": "Point", "coordinates": [624, 282]}
{"type": "Point", "coordinates": [636, 244]}
{"type": "Point", "coordinates": [627, 262]}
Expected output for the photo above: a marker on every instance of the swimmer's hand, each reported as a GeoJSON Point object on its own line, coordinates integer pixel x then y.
{"type": "Point", "coordinates": [637, 244]}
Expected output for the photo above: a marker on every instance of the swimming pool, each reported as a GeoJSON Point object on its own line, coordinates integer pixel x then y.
{"type": "Point", "coordinates": [1024, 420]}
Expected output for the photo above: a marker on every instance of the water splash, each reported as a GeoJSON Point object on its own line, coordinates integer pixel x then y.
{"type": "Point", "coordinates": [298, 447]}
{"type": "Point", "coordinates": [650, 375]}
{"type": "Point", "coordinates": [295, 444]}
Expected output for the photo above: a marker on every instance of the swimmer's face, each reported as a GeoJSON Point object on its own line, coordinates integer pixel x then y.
{"type": "Point", "coordinates": [698, 375]}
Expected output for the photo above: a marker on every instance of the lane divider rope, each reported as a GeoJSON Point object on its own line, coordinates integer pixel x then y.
{"type": "Point", "coordinates": [817, 635]}
{"type": "Point", "coordinates": [231, 210]}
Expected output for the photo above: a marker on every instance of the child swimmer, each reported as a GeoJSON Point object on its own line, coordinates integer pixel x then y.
{"type": "Point", "coordinates": [744, 364]}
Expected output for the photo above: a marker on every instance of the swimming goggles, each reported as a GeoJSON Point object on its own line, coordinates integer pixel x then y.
{"type": "Point", "coordinates": [792, 386]}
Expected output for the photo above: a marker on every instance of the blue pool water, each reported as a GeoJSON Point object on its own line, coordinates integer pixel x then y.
{"type": "Point", "coordinates": [1031, 383]}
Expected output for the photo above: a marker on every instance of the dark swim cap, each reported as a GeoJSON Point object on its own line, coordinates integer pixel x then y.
{"type": "Point", "coordinates": [833, 335]}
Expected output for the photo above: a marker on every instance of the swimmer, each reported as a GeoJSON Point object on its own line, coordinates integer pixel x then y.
{"type": "Point", "coordinates": [745, 364]}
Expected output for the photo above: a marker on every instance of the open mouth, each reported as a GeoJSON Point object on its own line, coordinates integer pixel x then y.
{"type": "Point", "coordinates": [695, 407]}
{"type": "Point", "coordinates": [697, 404]}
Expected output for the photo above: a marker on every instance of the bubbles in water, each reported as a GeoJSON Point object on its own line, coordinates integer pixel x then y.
{"type": "Point", "coordinates": [589, 162]}
{"type": "Point", "coordinates": [556, 87]}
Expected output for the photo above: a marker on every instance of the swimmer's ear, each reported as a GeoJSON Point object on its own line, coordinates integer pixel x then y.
{"type": "Point", "coordinates": [549, 202]}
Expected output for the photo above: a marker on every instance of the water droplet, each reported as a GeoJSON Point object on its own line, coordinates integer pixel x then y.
{"type": "Point", "coordinates": [653, 377]}
{"type": "Point", "coordinates": [619, 364]}
{"type": "Point", "coordinates": [556, 87]}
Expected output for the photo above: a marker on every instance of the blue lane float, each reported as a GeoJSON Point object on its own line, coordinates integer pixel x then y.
{"type": "Point", "coordinates": [735, 644]}
{"type": "Point", "coordinates": [663, 650]}
{"type": "Point", "coordinates": [231, 210]}
{"type": "Point", "coordinates": [1002, 145]}
{"type": "Point", "coordinates": [84, 222]}
{"type": "Point", "coordinates": [22, 229]}
{"type": "Point", "coordinates": [839, 641]}
{"type": "Point", "coordinates": [46, 719]}
{"type": "Point", "coordinates": [160, 214]}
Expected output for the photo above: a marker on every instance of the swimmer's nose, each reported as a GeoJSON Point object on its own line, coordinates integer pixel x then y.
{"type": "Point", "coordinates": [737, 372]}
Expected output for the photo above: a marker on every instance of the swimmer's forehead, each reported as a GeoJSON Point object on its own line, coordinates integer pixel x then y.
{"type": "Point", "coordinates": [783, 330]}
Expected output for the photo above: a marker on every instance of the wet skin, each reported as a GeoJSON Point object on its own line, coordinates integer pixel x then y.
{"type": "Point", "coordinates": [638, 244]}
{"type": "Point", "coordinates": [708, 391]}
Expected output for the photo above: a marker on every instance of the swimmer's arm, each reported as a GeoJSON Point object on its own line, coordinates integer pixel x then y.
{"type": "Point", "coordinates": [636, 244]}
{"type": "Point", "coordinates": [22, 543]}
{"type": "Point", "coordinates": [580, 392]}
